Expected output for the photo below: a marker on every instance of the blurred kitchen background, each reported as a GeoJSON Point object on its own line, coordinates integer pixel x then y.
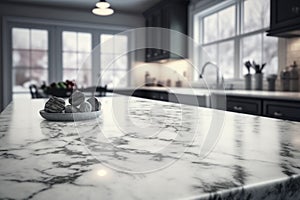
{"type": "Point", "coordinates": [45, 42]}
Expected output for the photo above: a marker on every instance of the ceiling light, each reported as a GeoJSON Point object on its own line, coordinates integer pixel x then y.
{"type": "Point", "coordinates": [102, 4]}
{"type": "Point", "coordinates": [103, 11]}
{"type": "Point", "coordinates": [102, 8]}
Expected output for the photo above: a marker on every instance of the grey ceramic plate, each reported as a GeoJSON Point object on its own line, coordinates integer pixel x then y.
{"type": "Point", "coordinates": [69, 116]}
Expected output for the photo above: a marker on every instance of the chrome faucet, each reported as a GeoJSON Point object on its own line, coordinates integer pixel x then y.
{"type": "Point", "coordinates": [218, 86]}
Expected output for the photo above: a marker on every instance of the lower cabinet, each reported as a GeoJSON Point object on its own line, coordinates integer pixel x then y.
{"type": "Point", "coordinates": [282, 110]}
{"type": "Point", "coordinates": [244, 105]}
{"type": "Point", "coordinates": [155, 95]}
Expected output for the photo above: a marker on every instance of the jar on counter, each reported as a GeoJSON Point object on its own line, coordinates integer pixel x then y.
{"type": "Point", "coordinates": [285, 79]}
{"type": "Point", "coordinates": [294, 78]}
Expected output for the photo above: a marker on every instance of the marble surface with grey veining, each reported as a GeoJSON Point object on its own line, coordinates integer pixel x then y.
{"type": "Point", "coordinates": [144, 149]}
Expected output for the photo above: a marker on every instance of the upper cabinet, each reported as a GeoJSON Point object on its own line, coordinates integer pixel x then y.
{"type": "Point", "coordinates": [168, 15]}
{"type": "Point", "coordinates": [285, 18]}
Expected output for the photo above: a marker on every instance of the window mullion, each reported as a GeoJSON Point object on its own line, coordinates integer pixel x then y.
{"type": "Point", "coordinates": [96, 59]}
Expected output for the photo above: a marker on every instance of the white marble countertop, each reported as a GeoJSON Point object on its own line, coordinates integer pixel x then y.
{"type": "Point", "coordinates": [242, 93]}
{"type": "Point", "coordinates": [143, 149]}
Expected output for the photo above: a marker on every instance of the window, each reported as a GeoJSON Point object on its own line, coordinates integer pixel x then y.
{"type": "Point", "coordinates": [52, 53]}
{"type": "Point", "coordinates": [234, 32]}
{"type": "Point", "coordinates": [113, 64]}
{"type": "Point", "coordinates": [29, 57]}
{"type": "Point", "coordinates": [77, 65]}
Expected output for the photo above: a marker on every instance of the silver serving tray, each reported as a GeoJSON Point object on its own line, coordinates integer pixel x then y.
{"type": "Point", "coordinates": [70, 116]}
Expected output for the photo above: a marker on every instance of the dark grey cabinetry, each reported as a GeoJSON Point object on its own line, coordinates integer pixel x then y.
{"type": "Point", "coordinates": [282, 110]}
{"type": "Point", "coordinates": [285, 18]}
{"type": "Point", "coordinates": [154, 95]}
{"type": "Point", "coordinates": [169, 15]}
{"type": "Point", "coordinates": [244, 105]}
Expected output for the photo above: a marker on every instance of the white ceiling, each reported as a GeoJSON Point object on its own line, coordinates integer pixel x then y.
{"type": "Point", "coordinates": [133, 6]}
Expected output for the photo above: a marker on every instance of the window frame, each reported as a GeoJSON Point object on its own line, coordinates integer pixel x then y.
{"type": "Point", "coordinates": [237, 38]}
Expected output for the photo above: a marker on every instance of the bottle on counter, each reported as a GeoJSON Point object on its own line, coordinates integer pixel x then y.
{"type": "Point", "coordinates": [294, 78]}
{"type": "Point", "coordinates": [285, 79]}
{"type": "Point", "coordinates": [168, 83]}
{"type": "Point", "coordinates": [147, 78]}
{"type": "Point", "coordinates": [272, 82]}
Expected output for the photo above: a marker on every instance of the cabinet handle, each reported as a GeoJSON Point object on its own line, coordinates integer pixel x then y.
{"type": "Point", "coordinates": [278, 114]}
{"type": "Point", "coordinates": [295, 10]}
{"type": "Point", "coordinates": [238, 108]}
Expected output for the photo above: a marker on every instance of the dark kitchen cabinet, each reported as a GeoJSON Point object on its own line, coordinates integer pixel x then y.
{"type": "Point", "coordinates": [168, 15]}
{"type": "Point", "coordinates": [244, 105]}
{"type": "Point", "coordinates": [282, 110]}
{"type": "Point", "coordinates": [285, 18]}
{"type": "Point", "coordinates": [154, 95]}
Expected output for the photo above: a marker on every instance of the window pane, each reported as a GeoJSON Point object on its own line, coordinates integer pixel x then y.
{"type": "Point", "coordinates": [84, 78]}
{"type": "Point", "coordinates": [211, 28]}
{"type": "Point", "coordinates": [69, 41]}
{"type": "Point", "coordinates": [39, 59]}
{"type": "Point", "coordinates": [20, 77]}
{"type": "Point", "coordinates": [121, 62]}
{"type": "Point", "coordinates": [84, 61]}
{"type": "Point", "coordinates": [70, 60]}
{"type": "Point", "coordinates": [84, 42]}
{"type": "Point", "coordinates": [107, 61]}
{"type": "Point", "coordinates": [227, 22]}
{"type": "Point", "coordinates": [39, 75]}
{"type": "Point", "coordinates": [70, 74]}
{"type": "Point", "coordinates": [120, 78]}
{"type": "Point", "coordinates": [39, 39]}
{"type": "Point", "coordinates": [107, 77]}
{"type": "Point", "coordinates": [20, 38]}
{"type": "Point", "coordinates": [256, 14]}
{"type": "Point", "coordinates": [21, 58]}
{"type": "Point", "coordinates": [107, 43]}
{"type": "Point", "coordinates": [120, 43]}
{"type": "Point", "coordinates": [251, 50]}
{"type": "Point", "coordinates": [211, 52]}
{"type": "Point", "coordinates": [226, 59]}
{"type": "Point", "coordinates": [270, 54]}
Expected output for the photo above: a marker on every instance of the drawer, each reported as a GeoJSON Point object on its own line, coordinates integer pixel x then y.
{"type": "Point", "coordinates": [243, 105]}
{"type": "Point", "coordinates": [282, 110]}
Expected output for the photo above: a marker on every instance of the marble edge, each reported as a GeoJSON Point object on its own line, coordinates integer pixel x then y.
{"type": "Point", "coordinates": [243, 192]}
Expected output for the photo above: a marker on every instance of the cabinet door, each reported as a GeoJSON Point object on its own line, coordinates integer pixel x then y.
{"type": "Point", "coordinates": [285, 18]}
{"type": "Point", "coordinates": [149, 38]}
{"type": "Point", "coordinates": [244, 105]}
{"type": "Point", "coordinates": [157, 33]}
{"type": "Point", "coordinates": [282, 110]}
{"type": "Point", "coordinates": [165, 34]}
{"type": "Point", "coordinates": [287, 9]}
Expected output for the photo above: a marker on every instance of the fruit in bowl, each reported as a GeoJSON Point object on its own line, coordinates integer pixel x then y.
{"type": "Point", "coordinates": [56, 109]}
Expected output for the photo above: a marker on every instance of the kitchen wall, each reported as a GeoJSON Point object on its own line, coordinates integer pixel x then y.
{"type": "Point", "coordinates": [288, 52]}
{"type": "Point", "coordinates": [293, 51]}
{"type": "Point", "coordinates": [174, 70]}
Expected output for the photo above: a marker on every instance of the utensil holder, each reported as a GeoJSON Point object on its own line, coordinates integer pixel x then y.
{"type": "Point", "coordinates": [258, 81]}
{"type": "Point", "coordinates": [248, 81]}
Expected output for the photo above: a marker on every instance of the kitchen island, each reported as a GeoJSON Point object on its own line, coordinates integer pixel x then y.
{"type": "Point", "coordinates": [146, 149]}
